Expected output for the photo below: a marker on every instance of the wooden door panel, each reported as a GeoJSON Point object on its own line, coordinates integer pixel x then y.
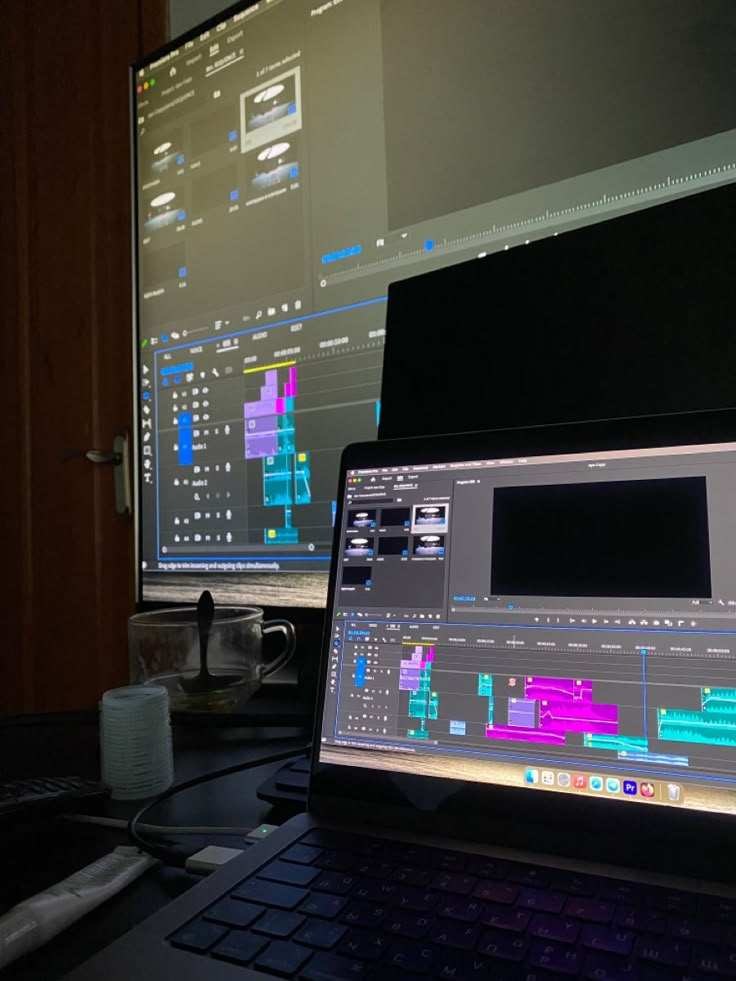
{"type": "Point", "coordinates": [69, 373]}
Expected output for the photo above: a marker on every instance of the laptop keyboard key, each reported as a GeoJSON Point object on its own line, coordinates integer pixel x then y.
{"type": "Point", "coordinates": [278, 923]}
{"type": "Point", "coordinates": [363, 914]}
{"type": "Point", "coordinates": [419, 900]}
{"type": "Point", "coordinates": [458, 966]}
{"type": "Point", "coordinates": [554, 928]}
{"type": "Point", "coordinates": [718, 908]}
{"type": "Point", "coordinates": [607, 939]}
{"type": "Point", "coordinates": [376, 847]}
{"type": "Point", "coordinates": [402, 923]}
{"type": "Point", "coordinates": [450, 861]}
{"type": "Point", "coordinates": [574, 883]}
{"type": "Point", "coordinates": [274, 894]}
{"type": "Point", "coordinates": [710, 960]}
{"type": "Point", "coordinates": [288, 873]}
{"type": "Point", "coordinates": [364, 946]}
{"type": "Point", "coordinates": [640, 920]}
{"type": "Point", "coordinates": [375, 890]}
{"type": "Point", "coordinates": [527, 875]}
{"type": "Point", "coordinates": [460, 908]}
{"type": "Point", "coordinates": [374, 870]}
{"type": "Point", "coordinates": [322, 838]}
{"type": "Point", "coordinates": [486, 868]}
{"type": "Point", "coordinates": [320, 934]}
{"type": "Point", "coordinates": [302, 854]}
{"type": "Point", "coordinates": [460, 936]}
{"type": "Point", "coordinates": [502, 946]}
{"type": "Point", "coordinates": [602, 967]}
{"type": "Point", "coordinates": [282, 958]}
{"type": "Point", "coordinates": [674, 901]}
{"type": "Point", "coordinates": [506, 918]}
{"type": "Point", "coordinates": [591, 910]}
{"type": "Point", "coordinates": [335, 882]}
{"type": "Point", "coordinates": [417, 856]}
{"type": "Point", "coordinates": [330, 967]}
{"type": "Point", "coordinates": [662, 950]}
{"type": "Point", "coordinates": [233, 912]}
{"type": "Point", "coordinates": [496, 892]}
{"type": "Point", "coordinates": [411, 956]}
{"type": "Point", "coordinates": [557, 958]}
{"type": "Point", "coordinates": [540, 899]}
{"type": "Point", "coordinates": [411, 876]}
{"type": "Point", "coordinates": [455, 883]}
{"type": "Point", "coordinates": [383, 973]}
{"type": "Point", "coordinates": [682, 928]}
{"type": "Point", "coordinates": [323, 904]}
{"type": "Point", "coordinates": [239, 947]}
{"type": "Point", "coordinates": [621, 893]}
{"type": "Point", "coordinates": [336, 861]}
{"type": "Point", "coordinates": [199, 935]}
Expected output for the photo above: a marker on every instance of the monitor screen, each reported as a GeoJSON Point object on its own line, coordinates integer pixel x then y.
{"type": "Point", "coordinates": [293, 159]}
{"type": "Point", "coordinates": [627, 317]}
{"type": "Point", "coordinates": [562, 622]}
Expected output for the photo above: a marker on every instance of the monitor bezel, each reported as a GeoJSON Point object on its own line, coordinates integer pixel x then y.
{"type": "Point", "coordinates": [309, 617]}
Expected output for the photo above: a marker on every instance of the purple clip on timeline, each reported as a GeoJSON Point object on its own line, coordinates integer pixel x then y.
{"type": "Point", "coordinates": [552, 707]}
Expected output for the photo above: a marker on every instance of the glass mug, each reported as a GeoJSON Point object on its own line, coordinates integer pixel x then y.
{"type": "Point", "coordinates": [163, 647]}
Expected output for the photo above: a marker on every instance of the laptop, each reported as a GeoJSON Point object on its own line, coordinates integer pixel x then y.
{"type": "Point", "coordinates": [524, 757]}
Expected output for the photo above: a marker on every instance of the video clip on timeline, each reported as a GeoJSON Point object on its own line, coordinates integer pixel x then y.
{"type": "Point", "coordinates": [286, 172]}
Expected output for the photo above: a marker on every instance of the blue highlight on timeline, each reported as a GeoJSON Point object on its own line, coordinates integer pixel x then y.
{"type": "Point", "coordinates": [186, 450]}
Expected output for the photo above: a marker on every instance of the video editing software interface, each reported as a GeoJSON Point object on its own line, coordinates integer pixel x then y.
{"type": "Point", "coordinates": [563, 623]}
{"type": "Point", "coordinates": [294, 159]}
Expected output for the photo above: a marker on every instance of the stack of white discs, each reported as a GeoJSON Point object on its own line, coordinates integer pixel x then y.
{"type": "Point", "coordinates": [135, 736]}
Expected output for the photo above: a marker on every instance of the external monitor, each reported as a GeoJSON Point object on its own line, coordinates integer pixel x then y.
{"type": "Point", "coordinates": [294, 157]}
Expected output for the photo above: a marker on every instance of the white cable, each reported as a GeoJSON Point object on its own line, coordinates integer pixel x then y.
{"type": "Point", "coordinates": [154, 829]}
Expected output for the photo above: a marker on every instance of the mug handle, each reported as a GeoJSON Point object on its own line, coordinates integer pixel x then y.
{"type": "Point", "coordinates": [287, 629]}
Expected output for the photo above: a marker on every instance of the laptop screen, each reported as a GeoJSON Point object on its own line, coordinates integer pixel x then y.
{"type": "Point", "coordinates": [563, 623]}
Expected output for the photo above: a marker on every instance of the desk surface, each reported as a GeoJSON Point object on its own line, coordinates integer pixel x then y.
{"type": "Point", "coordinates": [34, 857]}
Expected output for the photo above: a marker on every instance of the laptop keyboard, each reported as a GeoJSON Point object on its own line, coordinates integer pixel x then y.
{"type": "Point", "coordinates": [335, 906]}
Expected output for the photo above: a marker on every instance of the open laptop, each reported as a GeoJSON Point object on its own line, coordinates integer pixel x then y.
{"type": "Point", "coordinates": [525, 745]}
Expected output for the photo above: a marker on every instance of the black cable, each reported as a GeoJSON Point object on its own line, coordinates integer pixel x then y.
{"type": "Point", "coordinates": [171, 855]}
